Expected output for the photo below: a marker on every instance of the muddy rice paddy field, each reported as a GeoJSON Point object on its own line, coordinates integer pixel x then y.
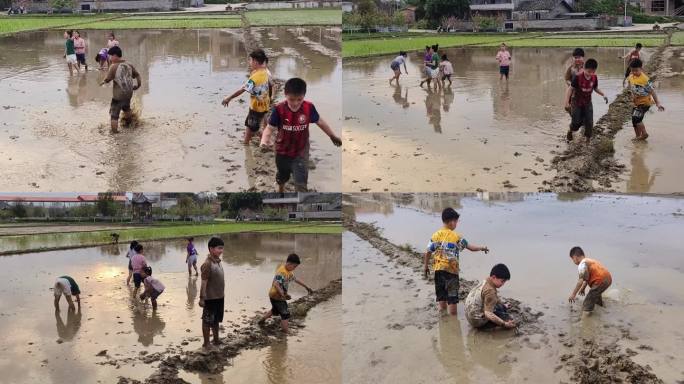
{"type": "Point", "coordinates": [393, 331]}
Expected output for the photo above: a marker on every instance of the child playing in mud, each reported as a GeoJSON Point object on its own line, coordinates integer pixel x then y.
{"type": "Point", "coordinates": [102, 58]}
{"type": "Point", "coordinates": [212, 292]}
{"type": "Point", "coordinates": [191, 258]}
{"type": "Point", "coordinates": [111, 40]}
{"type": "Point", "coordinates": [129, 255]}
{"type": "Point", "coordinates": [431, 65]}
{"type": "Point", "coordinates": [504, 59]}
{"type": "Point", "coordinates": [80, 48]}
{"type": "Point", "coordinates": [278, 293]}
{"type": "Point", "coordinates": [70, 51]}
{"type": "Point", "coordinates": [576, 65]}
{"type": "Point", "coordinates": [578, 99]}
{"type": "Point", "coordinates": [123, 74]}
{"type": "Point", "coordinates": [153, 287]}
{"type": "Point", "coordinates": [291, 119]}
{"type": "Point", "coordinates": [593, 274]}
{"type": "Point", "coordinates": [446, 70]}
{"type": "Point", "coordinates": [396, 66]}
{"type": "Point", "coordinates": [138, 263]}
{"type": "Point", "coordinates": [258, 87]}
{"type": "Point", "coordinates": [634, 54]}
{"type": "Point", "coordinates": [445, 246]}
{"type": "Point", "coordinates": [484, 309]}
{"type": "Point", "coordinates": [67, 286]}
{"type": "Point", "coordinates": [643, 96]}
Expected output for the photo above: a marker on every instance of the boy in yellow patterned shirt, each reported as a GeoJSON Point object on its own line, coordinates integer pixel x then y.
{"type": "Point", "coordinates": [278, 293]}
{"type": "Point", "coordinates": [643, 97]}
{"type": "Point", "coordinates": [445, 246]}
{"type": "Point", "coordinates": [258, 86]}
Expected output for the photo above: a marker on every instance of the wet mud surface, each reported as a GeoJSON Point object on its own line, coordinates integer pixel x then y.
{"type": "Point", "coordinates": [115, 334]}
{"type": "Point", "coordinates": [633, 339]}
{"type": "Point", "coordinates": [480, 134]}
{"type": "Point", "coordinates": [56, 127]}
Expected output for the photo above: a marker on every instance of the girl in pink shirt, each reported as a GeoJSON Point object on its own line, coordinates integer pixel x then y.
{"type": "Point", "coordinates": [504, 59]}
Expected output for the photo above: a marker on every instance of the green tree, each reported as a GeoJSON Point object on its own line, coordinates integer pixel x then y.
{"type": "Point", "coordinates": [106, 205]}
{"type": "Point", "coordinates": [366, 7]}
{"type": "Point", "coordinates": [233, 202]}
{"type": "Point", "coordinates": [19, 210]}
{"type": "Point", "coordinates": [186, 206]}
{"type": "Point", "coordinates": [435, 10]}
{"type": "Point", "coordinates": [61, 4]}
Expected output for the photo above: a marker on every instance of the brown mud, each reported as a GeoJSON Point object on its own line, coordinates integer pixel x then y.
{"type": "Point", "coordinates": [593, 167]}
{"type": "Point", "coordinates": [214, 360]}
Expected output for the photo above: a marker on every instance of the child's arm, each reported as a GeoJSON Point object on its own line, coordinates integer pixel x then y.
{"type": "Point", "coordinates": [266, 136]}
{"type": "Point", "coordinates": [328, 131]}
{"type": "Point", "coordinates": [308, 290]}
{"type": "Point", "coordinates": [600, 92]}
{"type": "Point", "coordinates": [137, 76]}
{"type": "Point", "coordinates": [146, 293]}
{"type": "Point", "coordinates": [568, 94]}
{"type": "Point", "coordinates": [426, 259]}
{"type": "Point", "coordinates": [227, 99]}
{"type": "Point", "coordinates": [579, 287]}
{"type": "Point", "coordinates": [477, 248]}
{"type": "Point", "coordinates": [280, 289]}
{"type": "Point", "coordinates": [109, 77]}
{"type": "Point", "coordinates": [405, 70]}
{"type": "Point", "coordinates": [655, 98]}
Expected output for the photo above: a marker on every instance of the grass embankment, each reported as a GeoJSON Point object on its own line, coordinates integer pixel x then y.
{"type": "Point", "coordinates": [66, 240]}
{"type": "Point", "coordinates": [677, 38]}
{"type": "Point", "coordinates": [380, 44]}
{"type": "Point", "coordinates": [295, 17]}
{"type": "Point", "coordinates": [14, 24]}
{"type": "Point", "coordinates": [166, 22]}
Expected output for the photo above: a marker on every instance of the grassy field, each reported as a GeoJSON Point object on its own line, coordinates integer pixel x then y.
{"type": "Point", "coordinates": [175, 22]}
{"type": "Point", "coordinates": [295, 17]}
{"type": "Point", "coordinates": [10, 244]}
{"type": "Point", "coordinates": [357, 47]}
{"type": "Point", "coordinates": [677, 38]}
{"type": "Point", "coordinates": [15, 24]}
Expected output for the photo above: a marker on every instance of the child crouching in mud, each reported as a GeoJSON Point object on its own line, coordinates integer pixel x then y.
{"type": "Point", "coordinates": [484, 309]}
{"type": "Point", "coordinates": [153, 287]}
{"type": "Point", "coordinates": [278, 293]}
{"type": "Point", "coordinates": [593, 274]}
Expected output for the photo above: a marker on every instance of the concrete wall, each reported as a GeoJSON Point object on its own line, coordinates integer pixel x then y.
{"type": "Point", "coordinates": [328, 215]}
{"type": "Point", "coordinates": [560, 24]}
{"type": "Point", "coordinates": [123, 5]}
{"type": "Point", "coordinates": [294, 4]}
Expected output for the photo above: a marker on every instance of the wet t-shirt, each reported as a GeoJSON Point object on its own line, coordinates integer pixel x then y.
{"type": "Point", "coordinates": [212, 272]}
{"type": "Point", "coordinates": [504, 58]}
{"type": "Point", "coordinates": [79, 45]}
{"type": "Point", "coordinates": [399, 60]}
{"type": "Point", "coordinates": [138, 262]}
{"type": "Point", "coordinates": [292, 139]}
{"type": "Point", "coordinates": [641, 87]}
{"type": "Point", "coordinates": [583, 88]}
{"type": "Point", "coordinates": [282, 278]}
{"type": "Point", "coordinates": [123, 74]}
{"type": "Point", "coordinates": [257, 87]}
{"type": "Point", "coordinates": [75, 290]}
{"type": "Point", "coordinates": [435, 61]}
{"type": "Point", "coordinates": [447, 68]}
{"type": "Point", "coordinates": [151, 282]}
{"type": "Point", "coordinates": [446, 246]}
{"type": "Point", "coordinates": [593, 272]}
{"type": "Point", "coordinates": [70, 50]}
{"type": "Point", "coordinates": [191, 249]}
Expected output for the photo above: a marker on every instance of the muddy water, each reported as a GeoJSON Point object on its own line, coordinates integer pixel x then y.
{"type": "Point", "coordinates": [112, 319]}
{"type": "Point", "coordinates": [478, 134]}
{"type": "Point", "coordinates": [532, 234]}
{"type": "Point", "coordinates": [55, 127]}
{"type": "Point", "coordinates": [655, 165]}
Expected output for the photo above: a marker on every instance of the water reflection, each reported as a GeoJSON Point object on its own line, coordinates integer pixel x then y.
{"type": "Point", "coordinates": [67, 332]}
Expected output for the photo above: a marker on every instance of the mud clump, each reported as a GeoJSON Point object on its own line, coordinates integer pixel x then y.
{"type": "Point", "coordinates": [606, 364]}
{"type": "Point", "coordinates": [524, 316]}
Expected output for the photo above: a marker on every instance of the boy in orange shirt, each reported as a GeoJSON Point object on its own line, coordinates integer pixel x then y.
{"type": "Point", "coordinates": [593, 274]}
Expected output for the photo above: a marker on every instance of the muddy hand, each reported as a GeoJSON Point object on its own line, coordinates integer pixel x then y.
{"type": "Point", "coordinates": [225, 101]}
{"type": "Point", "coordinates": [661, 108]}
{"type": "Point", "coordinates": [336, 140]}
{"type": "Point", "coordinates": [485, 250]}
{"type": "Point", "coordinates": [606, 99]}
{"type": "Point", "coordinates": [571, 299]}
{"type": "Point", "coordinates": [309, 290]}
{"type": "Point", "coordinates": [426, 272]}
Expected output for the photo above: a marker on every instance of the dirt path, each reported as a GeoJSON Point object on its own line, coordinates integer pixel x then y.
{"type": "Point", "coordinates": [593, 168]}
{"type": "Point", "coordinates": [215, 360]}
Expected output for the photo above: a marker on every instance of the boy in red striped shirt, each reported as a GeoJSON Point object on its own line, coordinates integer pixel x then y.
{"type": "Point", "coordinates": [291, 119]}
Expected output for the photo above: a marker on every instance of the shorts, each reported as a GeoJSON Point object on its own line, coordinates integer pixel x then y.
{"type": "Point", "coordinates": [212, 313]}
{"type": "Point", "coordinates": [582, 116]}
{"type": "Point", "coordinates": [431, 73]}
{"type": "Point", "coordinates": [192, 259]}
{"type": "Point", "coordinates": [446, 287]}
{"type": "Point", "coordinates": [61, 288]}
{"type": "Point", "coordinates": [279, 308]}
{"type": "Point", "coordinates": [594, 295]}
{"type": "Point", "coordinates": [155, 294]}
{"type": "Point", "coordinates": [71, 59]}
{"type": "Point", "coordinates": [137, 279]}
{"type": "Point", "coordinates": [504, 70]}
{"type": "Point", "coordinates": [446, 77]}
{"type": "Point", "coordinates": [254, 119]}
{"type": "Point", "coordinates": [395, 66]}
{"type": "Point", "coordinates": [117, 106]}
{"type": "Point", "coordinates": [295, 166]}
{"type": "Point", "coordinates": [638, 114]}
{"type": "Point", "coordinates": [80, 57]}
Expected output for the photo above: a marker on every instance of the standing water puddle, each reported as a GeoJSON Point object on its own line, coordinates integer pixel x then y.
{"type": "Point", "coordinates": [387, 306]}
{"type": "Point", "coordinates": [55, 128]}
{"type": "Point", "coordinates": [41, 346]}
{"type": "Point", "coordinates": [478, 134]}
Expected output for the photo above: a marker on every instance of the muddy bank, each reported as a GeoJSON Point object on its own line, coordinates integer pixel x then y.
{"type": "Point", "coordinates": [582, 168]}
{"type": "Point", "coordinates": [250, 337]}
{"type": "Point", "coordinates": [525, 317]}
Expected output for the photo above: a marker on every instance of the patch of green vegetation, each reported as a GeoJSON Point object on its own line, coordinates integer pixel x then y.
{"type": "Point", "coordinates": [14, 24]}
{"type": "Point", "coordinates": [677, 38]}
{"type": "Point", "coordinates": [10, 244]}
{"type": "Point", "coordinates": [295, 17]}
{"type": "Point", "coordinates": [164, 23]}
{"type": "Point", "coordinates": [584, 42]}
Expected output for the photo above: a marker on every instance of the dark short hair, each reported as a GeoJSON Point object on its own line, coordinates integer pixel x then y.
{"type": "Point", "coordinates": [636, 63]}
{"type": "Point", "coordinates": [449, 214]}
{"type": "Point", "coordinates": [576, 251]}
{"type": "Point", "coordinates": [293, 258]}
{"type": "Point", "coordinates": [133, 244]}
{"type": "Point", "coordinates": [115, 51]}
{"type": "Point", "coordinates": [591, 64]}
{"type": "Point", "coordinates": [402, 53]}
{"type": "Point", "coordinates": [215, 242]}
{"type": "Point", "coordinates": [638, 45]}
{"type": "Point", "coordinates": [435, 47]}
{"type": "Point", "coordinates": [578, 52]}
{"type": "Point", "coordinates": [77, 31]}
{"type": "Point", "coordinates": [69, 32]}
{"type": "Point", "coordinates": [259, 55]}
{"type": "Point", "coordinates": [148, 270]}
{"type": "Point", "coordinates": [138, 248]}
{"type": "Point", "coordinates": [444, 57]}
{"type": "Point", "coordinates": [191, 238]}
{"type": "Point", "coordinates": [295, 86]}
{"type": "Point", "coordinates": [500, 271]}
